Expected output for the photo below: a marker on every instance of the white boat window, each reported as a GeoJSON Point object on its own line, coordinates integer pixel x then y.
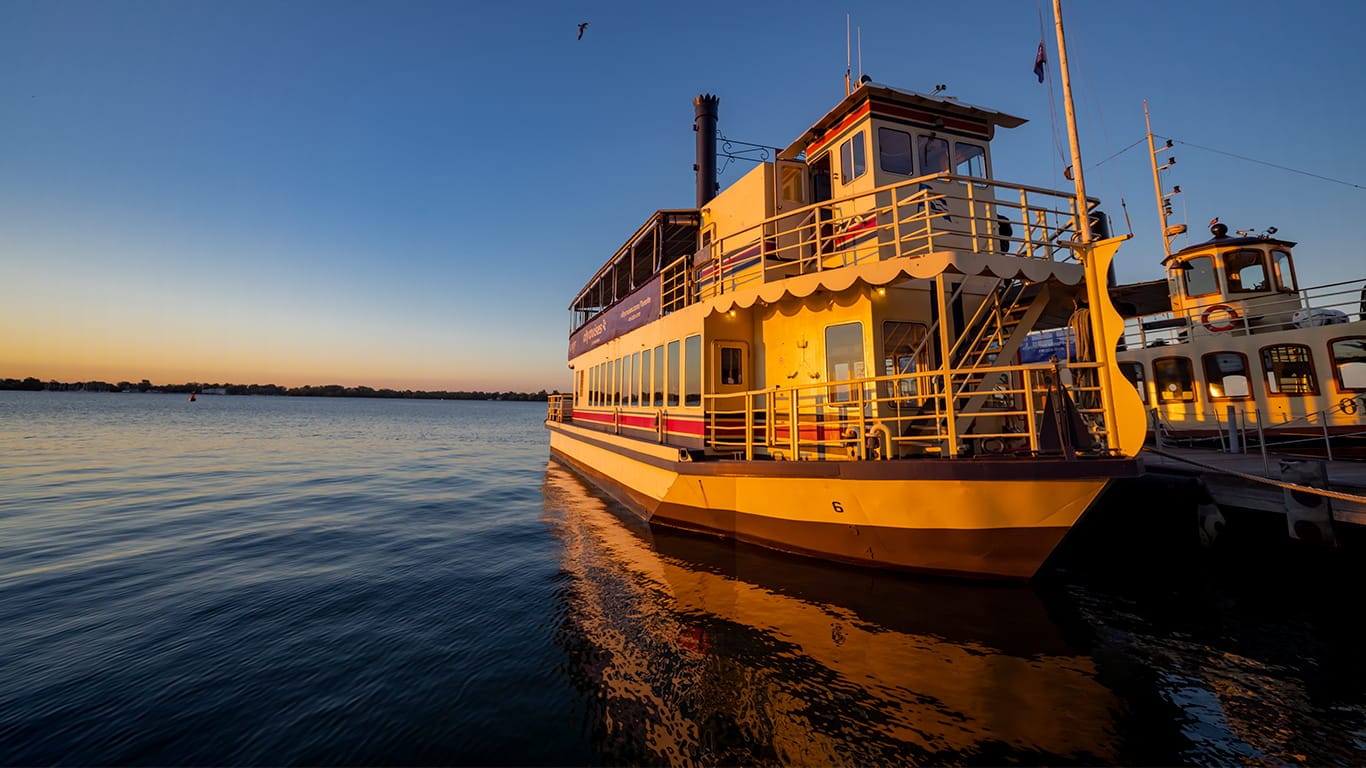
{"type": "Point", "coordinates": [1133, 371]}
{"type": "Point", "coordinates": [969, 159]}
{"type": "Point", "coordinates": [1245, 271]}
{"type": "Point", "coordinates": [1199, 278]}
{"type": "Point", "coordinates": [844, 358]}
{"type": "Point", "coordinates": [1349, 362]}
{"type": "Point", "coordinates": [1289, 370]}
{"type": "Point", "coordinates": [894, 151]}
{"type": "Point", "coordinates": [934, 154]}
{"type": "Point", "coordinates": [1226, 375]}
{"type": "Point", "coordinates": [692, 370]}
{"type": "Point", "coordinates": [673, 373]}
{"type": "Point", "coordinates": [659, 377]}
{"type": "Point", "coordinates": [1285, 275]}
{"type": "Point", "coordinates": [1175, 379]}
{"type": "Point", "coordinates": [853, 163]}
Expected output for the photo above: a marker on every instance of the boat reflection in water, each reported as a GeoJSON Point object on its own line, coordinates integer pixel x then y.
{"type": "Point", "coordinates": [693, 650]}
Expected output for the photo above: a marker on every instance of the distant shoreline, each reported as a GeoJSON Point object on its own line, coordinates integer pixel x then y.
{"type": "Point", "coordinates": [32, 384]}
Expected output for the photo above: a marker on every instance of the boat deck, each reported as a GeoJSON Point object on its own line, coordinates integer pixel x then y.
{"type": "Point", "coordinates": [1214, 468]}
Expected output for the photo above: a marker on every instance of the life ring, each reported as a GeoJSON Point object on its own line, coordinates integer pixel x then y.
{"type": "Point", "coordinates": [1228, 325]}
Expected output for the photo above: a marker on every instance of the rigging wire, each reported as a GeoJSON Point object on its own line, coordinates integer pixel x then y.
{"type": "Point", "coordinates": [1234, 155]}
{"type": "Point", "coordinates": [1263, 162]}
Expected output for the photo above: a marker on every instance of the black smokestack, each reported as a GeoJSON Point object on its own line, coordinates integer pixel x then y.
{"type": "Point", "coordinates": [705, 125]}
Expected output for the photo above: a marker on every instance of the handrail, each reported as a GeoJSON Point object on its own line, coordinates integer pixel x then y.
{"type": "Point", "coordinates": [847, 419]}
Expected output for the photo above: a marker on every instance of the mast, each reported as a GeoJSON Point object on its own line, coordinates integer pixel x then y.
{"type": "Point", "coordinates": [1095, 260]}
{"type": "Point", "coordinates": [1164, 206]}
{"type": "Point", "coordinates": [1083, 213]}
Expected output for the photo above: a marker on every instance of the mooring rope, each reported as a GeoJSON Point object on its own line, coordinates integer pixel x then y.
{"type": "Point", "coordinates": [1264, 480]}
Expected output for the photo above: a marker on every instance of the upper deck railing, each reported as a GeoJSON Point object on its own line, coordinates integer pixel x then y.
{"type": "Point", "coordinates": [903, 220]}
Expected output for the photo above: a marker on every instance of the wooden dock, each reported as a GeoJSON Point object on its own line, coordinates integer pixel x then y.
{"type": "Point", "coordinates": [1219, 471]}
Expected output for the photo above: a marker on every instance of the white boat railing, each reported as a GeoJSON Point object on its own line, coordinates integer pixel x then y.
{"type": "Point", "coordinates": [1330, 304]}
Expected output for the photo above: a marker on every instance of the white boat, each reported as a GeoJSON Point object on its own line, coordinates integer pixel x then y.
{"type": "Point", "coordinates": [1231, 338]}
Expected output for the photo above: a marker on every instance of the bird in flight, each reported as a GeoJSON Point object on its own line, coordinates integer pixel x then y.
{"type": "Point", "coordinates": [581, 28]}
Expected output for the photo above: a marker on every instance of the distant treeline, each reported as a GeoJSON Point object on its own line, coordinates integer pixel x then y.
{"type": "Point", "coordinates": [327, 390]}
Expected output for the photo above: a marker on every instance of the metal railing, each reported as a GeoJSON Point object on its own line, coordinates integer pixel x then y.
{"type": "Point", "coordinates": [909, 415]}
{"type": "Point", "coordinates": [907, 219]}
{"type": "Point", "coordinates": [1318, 305]}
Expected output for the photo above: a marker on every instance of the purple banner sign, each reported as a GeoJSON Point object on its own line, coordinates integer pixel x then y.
{"type": "Point", "coordinates": [632, 312]}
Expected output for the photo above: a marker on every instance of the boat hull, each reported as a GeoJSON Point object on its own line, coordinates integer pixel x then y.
{"type": "Point", "coordinates": [990, 518]}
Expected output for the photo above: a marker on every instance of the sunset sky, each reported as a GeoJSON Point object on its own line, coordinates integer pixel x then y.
{"type": "Point", "coordinates": [409, 194]}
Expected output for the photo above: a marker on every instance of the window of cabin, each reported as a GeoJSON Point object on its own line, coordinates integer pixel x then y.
{"type": "Point", "coordinates": [1289, 370]}
{"type": "Point", "coordinates": [674, 368]}
{"type": "Point", "coordinates": [1226, 375]}
{"type": "Point", "coordinates": [894, 151]}
{"type": "Point", "coordinates": [1199, 278]}
{"type": "Point", "coordinates": [904, 351]}
{"type": "Point", "coordinates": [969, 159]}
{"type": "Point", "coordinates": [1285, 274]}
{"type": "Point", "coordinates": [634, 381]}
{"type": "Point", "coordinates": [659, 376]}
{"type": "Point", "coordinates": [645, 378]}
{"type": "Point", "coordinates": [732, 362]}
{"type": "Point", "coordinates": [1175, 379]}
{"type": "Point", "coordinates": [692, 370]}
{"type": "Point", "coordinates": [1245, 271]}
{"type": "Point", "coordinates": [844, 358]}
{"type": "Point", "coordinates": [934, 154]}
{"type": "Point", "coordinates": [623, 374]}
{"type": "Point", "coordinates": [852, 161]}
{"type": "Point", "coordinates": [1133, 371]}
{"type": "Point", "coordinates": [1349, 362]}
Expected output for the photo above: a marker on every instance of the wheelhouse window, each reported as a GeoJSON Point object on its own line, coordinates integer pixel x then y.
{"type": "Point", "coordinates": [1285, 273]}
{"type": "Point", "coordinates": [969, 159]}
{"type": "Point", "coordinates": [1134, 373]}
{"type": "Point", "coordinates": [853, 164]}
{"type": "Point", "coordinates": [1199, 276]}
{"type": "Point", "coordinates": [1289, 370]}
{"type": "Point", "coordinates": [1226, 376]}
{"type": "Point", "coordinates": [934, 154]}
{"type": "Point", "coordinates": [1245, 271]}
{"type": "Point", "coordinates": [843, 358]}
{"type": "Point", "coordinates": [894, 151]}
{"type": "Point", "coordinates": [1349, 362]}
{"type": "Point", "coordinates": [1175, 379]}
{"type": "Point", "coordinates": [692, 370]}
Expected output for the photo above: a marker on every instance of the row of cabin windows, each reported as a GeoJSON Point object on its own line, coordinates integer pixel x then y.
{"type": "Point", "coordinates": [650, 378]}
{"type": "Point", "coordinates": [1245, 271]}
{"type": "Point", "coordinates": [932, 155]}
{"type": "Point", "coordinates": [1288, 369]}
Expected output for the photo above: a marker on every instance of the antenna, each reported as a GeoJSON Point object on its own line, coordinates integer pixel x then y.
{"type": "Point", "coordinates": [847, 56]}
{"type": "Point", "coordinates": [860, 54]}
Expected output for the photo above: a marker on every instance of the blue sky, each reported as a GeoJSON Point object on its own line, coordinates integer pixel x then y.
{"type": "Point", "coordinates": [409, 194]}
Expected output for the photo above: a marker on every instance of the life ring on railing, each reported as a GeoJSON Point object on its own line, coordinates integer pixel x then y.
{"type": "Point", "coordinates": [1348, 405]}
{"type": "Point", "coordinates": [1213, 327]}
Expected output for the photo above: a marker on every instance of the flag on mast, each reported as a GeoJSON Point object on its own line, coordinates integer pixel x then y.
{"type": "Point", "coordinates": [1040, 59]}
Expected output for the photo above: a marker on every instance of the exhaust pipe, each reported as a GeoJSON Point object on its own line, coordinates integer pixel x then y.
{"type": "Point", "coordinates": [704, 123]}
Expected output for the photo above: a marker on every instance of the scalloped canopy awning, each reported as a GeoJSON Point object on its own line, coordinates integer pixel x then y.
{"type": "Point", "coordinates": [886, 272]}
